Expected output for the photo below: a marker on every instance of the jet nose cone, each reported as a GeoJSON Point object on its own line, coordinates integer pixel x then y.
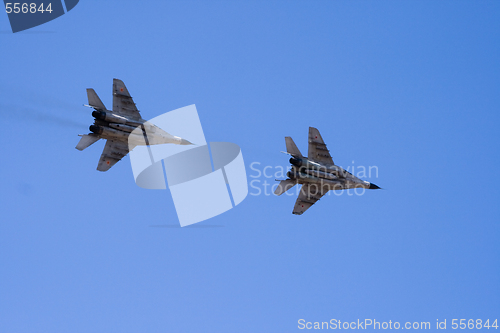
{"type": "Point", "coordinates": [373, 187]}
{"type": "Point", "coordinates": [185, 142]}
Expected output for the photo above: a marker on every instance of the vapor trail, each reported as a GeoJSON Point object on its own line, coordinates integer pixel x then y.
{"type": "Point", "coordinates": [37, 115]}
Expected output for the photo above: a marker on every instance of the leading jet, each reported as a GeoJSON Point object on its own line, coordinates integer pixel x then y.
{"type": "Point", "coordinates": [317, 173]}
{"type": "Point", "coordinates": [117, 127]}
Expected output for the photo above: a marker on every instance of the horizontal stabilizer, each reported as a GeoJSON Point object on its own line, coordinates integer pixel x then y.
{"type": "Point", "coordinates": [94, 100]}
{"type": "Point", "coordinates": [284, 186]}
{"type": "Point", "coordinates": [291, 148]}
{"type": "Point", "coordinates": [87, 140]}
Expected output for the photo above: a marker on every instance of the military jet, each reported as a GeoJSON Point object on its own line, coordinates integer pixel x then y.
{"type": "Point", "coordinates": [317, 173]}
{"type": "Point", "coordinates": [117, 126]}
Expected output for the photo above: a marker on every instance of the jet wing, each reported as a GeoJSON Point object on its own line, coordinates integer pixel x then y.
{"type": "Point", "coordinates": [123, 104]}
{"type": "Point", "coordinates": [308, 196]}
{"type": "Point", "coordinates": [317, 148]}
{"type": "Point", "coordinates": [112, 153]}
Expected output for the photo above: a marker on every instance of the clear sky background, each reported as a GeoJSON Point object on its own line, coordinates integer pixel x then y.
{"type": "Point", "coordinates": [411, 87]}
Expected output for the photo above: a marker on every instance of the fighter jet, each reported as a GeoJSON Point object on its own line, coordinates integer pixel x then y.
{"type": "Point", "coordinates": [317, 173]}
{"type": "Point", "coordinates": [117, 127]}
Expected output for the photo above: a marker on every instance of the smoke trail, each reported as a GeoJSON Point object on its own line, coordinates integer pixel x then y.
{"type": "Point", "coordinates": [34, 98]}
{"type": "Point", "coordinates": [36, 115]}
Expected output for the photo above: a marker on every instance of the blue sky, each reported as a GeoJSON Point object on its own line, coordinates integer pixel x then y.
{"type": "Point", "coordinates": [411, 87]}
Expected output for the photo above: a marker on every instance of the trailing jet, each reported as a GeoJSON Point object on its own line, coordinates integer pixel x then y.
{"type": "Point", "coordinates": [117, 126]}
{"type": "Point", "coordinates": [317, 173]}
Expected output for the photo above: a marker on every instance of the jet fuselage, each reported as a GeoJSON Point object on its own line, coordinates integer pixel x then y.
{"type": "Point", "coordinates": [332, 176]}
{"type": "Point", "coordinates": [317, 173]}
{"type": "Point", "coordinates": [122, 128]}
{"type": "Point", "coordinates": [137, 132]}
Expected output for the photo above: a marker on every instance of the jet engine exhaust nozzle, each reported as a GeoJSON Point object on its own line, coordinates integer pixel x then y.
{"type": "Point", "coordinates": [99, 115]}
{"type": "Point", "coordinates": [296, 161]}
{"type": "Point", "coordinates": [95, 129]}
